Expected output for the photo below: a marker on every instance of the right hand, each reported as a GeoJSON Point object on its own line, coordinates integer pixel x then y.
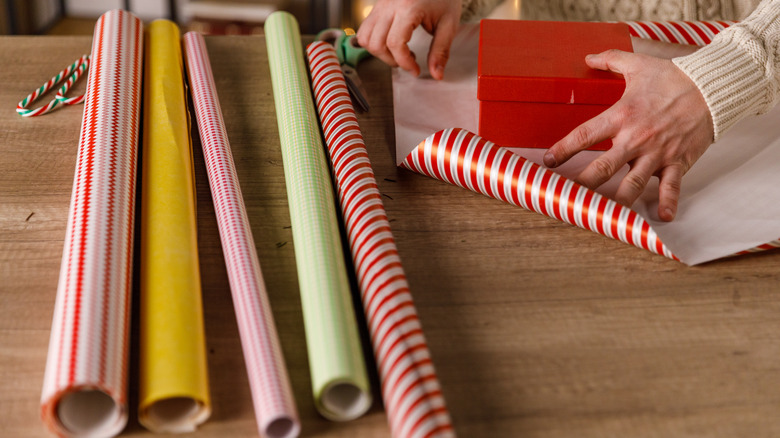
{"type": "Point", "coordinates": [388, 28]}
{"type": "Point", "coordinates": [660, 126]}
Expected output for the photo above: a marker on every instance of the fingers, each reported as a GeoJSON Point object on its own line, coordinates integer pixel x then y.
{"type": "Point", "coordinates": [373, 36]}
{"type": "Point", "coordinates": [661, 49]}
{"type": "Point", "coordinates": [635, 181]}
{"type": "Point", "coordinates": [582, 137]}
{"type": "Point", "coordinates": [614, 60]}
{"type": "Point", "coordinates": [397, 38]}
{"type": "Point", "coordinates": [363, 34]}
{"type": "Point", "coordinates": [669, 192]}
{"type": "Point", "coordinates": [440, 46]}
{"type": "Point", "coordinates": [603, 167]}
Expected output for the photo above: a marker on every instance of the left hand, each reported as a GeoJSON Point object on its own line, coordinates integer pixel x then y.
{"type": "Point", "coordinates": [660, 126]}
{"type": "Point", "coordinates": [388, 28]}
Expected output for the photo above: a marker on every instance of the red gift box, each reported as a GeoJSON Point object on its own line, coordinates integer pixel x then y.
{"type": "Point", "coordinates": [534, 86]}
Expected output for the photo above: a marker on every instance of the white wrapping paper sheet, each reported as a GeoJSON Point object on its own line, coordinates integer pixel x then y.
{"type": "Point", "coordinates": [729, 200]}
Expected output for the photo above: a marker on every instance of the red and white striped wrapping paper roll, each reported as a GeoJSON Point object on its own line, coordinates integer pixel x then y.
{"type": "Point", "coordinates": [410, 388]}
{"type": "Point", "coordinates": [84, 388]}
{"type": "Point", "coordinates": [270, 386]}
{"type": "Point", "coordinates": [696, 33]}
{"type": "Point", "coordinates": [465, 159]}
{"type": "Point", "coordinates": [765, 247]}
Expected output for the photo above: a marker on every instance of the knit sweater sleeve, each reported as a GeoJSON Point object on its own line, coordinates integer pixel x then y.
{"type": "Point", "coordinates": [738, 73]}
{"type": "Point", "coordinates": [473, 9]}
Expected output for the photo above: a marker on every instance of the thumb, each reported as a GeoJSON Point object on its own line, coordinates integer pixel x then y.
{"type": "Point", "coordinates": [613, 60]}
{"type": "Point", "coordinates": [440, 46]}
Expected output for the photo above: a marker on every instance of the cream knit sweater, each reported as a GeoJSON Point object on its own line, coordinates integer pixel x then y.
{"type": "Point", "coordinates": [738, 73]}
{"type": "Point", "coordinates": [627, 10]}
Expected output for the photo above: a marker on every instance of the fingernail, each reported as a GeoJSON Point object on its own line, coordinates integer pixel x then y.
{"type": "Point", "coordinates": [669, 213]}
{"type": "Point", "coordinates": [549, 159]}
{"type": "Point", "coordinates": [439, 71]}
{"type": "Point", "coordinates": [589, 57]}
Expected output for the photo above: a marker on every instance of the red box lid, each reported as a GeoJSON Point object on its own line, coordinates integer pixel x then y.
{"type": "Point", "coordinates": [544, 61]}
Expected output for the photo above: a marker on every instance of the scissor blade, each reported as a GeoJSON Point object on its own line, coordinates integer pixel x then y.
{"type": "Point", "coordinates": [355, 87]}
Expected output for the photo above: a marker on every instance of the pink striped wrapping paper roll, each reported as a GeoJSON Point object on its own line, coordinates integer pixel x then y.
{"type": "Point", "coordinates": [270, 386]}
{"type": "Point", "coordinates": [410, 388]}
{"type": "Point", "coordinates": [467, 160]}
{"type": "Point", "coordinates": [696, 33]}
{"type": "Point", "coordinates": [84, 388]}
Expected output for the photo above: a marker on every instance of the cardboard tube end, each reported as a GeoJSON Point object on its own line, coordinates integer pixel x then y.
{"type": "Point", "coordinates": [343, 401]}
{"type": "Point", "coordinates": [283, 427]}
{"type": "Point", "coordinates": [174, 415]}
{"type": "Point", "coordinates": [90, 413]}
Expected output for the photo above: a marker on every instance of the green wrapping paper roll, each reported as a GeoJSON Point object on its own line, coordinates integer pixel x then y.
{"type": "Point", "coordinates": [339, 380]}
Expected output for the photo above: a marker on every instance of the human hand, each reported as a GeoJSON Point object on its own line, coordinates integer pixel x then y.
{"type": "Point", "coordinates": [660, 126]}
{"type": "Point", "coordinates": [388, 28]}
{"type": "Point", "coordinates": [661, 49]}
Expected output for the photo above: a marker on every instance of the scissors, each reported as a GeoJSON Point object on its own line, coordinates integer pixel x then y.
{"type": "Point", "coordinates": [350, 54]}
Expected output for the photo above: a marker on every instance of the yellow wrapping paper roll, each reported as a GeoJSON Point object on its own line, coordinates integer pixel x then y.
{"type": "Point", "coordinates": [173, 388]}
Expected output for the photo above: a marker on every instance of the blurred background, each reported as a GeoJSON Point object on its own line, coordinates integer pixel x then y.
{"type": "Point", "coordinates": [231, 17]}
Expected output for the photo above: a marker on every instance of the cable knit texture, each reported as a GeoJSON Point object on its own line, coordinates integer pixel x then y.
{"type": "Point", "coordinates": [626, 10]}
{"type": "Point", "coordinates": [738, 73]}
{"type": "Point", "coordinates": [474, 9]}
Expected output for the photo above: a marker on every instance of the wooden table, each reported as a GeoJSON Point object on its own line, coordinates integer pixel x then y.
{"type": "Point", "coordinates": [537, 328]}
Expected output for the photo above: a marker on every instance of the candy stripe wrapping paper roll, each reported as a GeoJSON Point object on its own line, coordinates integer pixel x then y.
{"type": "Point", "coordinates": [173, 376]}
{"type": "Point", "coordinates": [410, 388]}
{"type": "Point", "coordinates": [462, 158]}
{"type": "Point", "coordinates": [271, 392]}
{"type": "Point", "coordinates": [696, 33]}
{"type": "Point", "coordinates": [84, 388]}
{"type": "Point", "coordinates": [339, 379]}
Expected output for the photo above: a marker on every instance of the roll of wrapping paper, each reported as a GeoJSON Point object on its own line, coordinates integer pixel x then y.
{"type": "Point", "coordinates": [84, 388]}
{"type": "Point", "coordinates": [462, 158]}
{"type": "Point", "coordinates": [410, 388]}
{"type": "Point", "coordinates": [696, 33]}
{"type": "Point", "coordinates": [271, 393]}
{"type": "Point", "coordinates": [173, 378]}
{"type": "Point", "coordinates": [339, 380]}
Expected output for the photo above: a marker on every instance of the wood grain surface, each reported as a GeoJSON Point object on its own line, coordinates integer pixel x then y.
{"type": "Point", "coordinates": [537, 328]}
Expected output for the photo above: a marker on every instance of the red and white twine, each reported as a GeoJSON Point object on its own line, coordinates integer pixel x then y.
{"type": "Point", "coordinates": [75, 70]}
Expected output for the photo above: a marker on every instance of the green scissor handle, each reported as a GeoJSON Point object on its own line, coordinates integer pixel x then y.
{"type": "Point", "coordinates": [353, 53]}
{"type": "Point", "coordinates": [347, 48]}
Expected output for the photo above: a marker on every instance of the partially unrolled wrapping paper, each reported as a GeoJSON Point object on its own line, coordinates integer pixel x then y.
{"type": "Point", "coordinates": [84, 388]}
{"type": "Point", "coordinates": [173, 377]}
{"type": "Point", "coordinates": [463, 158]}
{"type": "Point", "coordinates": [339, 379]}
{"type": "Point", "coordinates": [268, 381]}
{"type": "Point", "coordinates": [410, 388]}
{"type": "Point", "coordinates": [728, 203]}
